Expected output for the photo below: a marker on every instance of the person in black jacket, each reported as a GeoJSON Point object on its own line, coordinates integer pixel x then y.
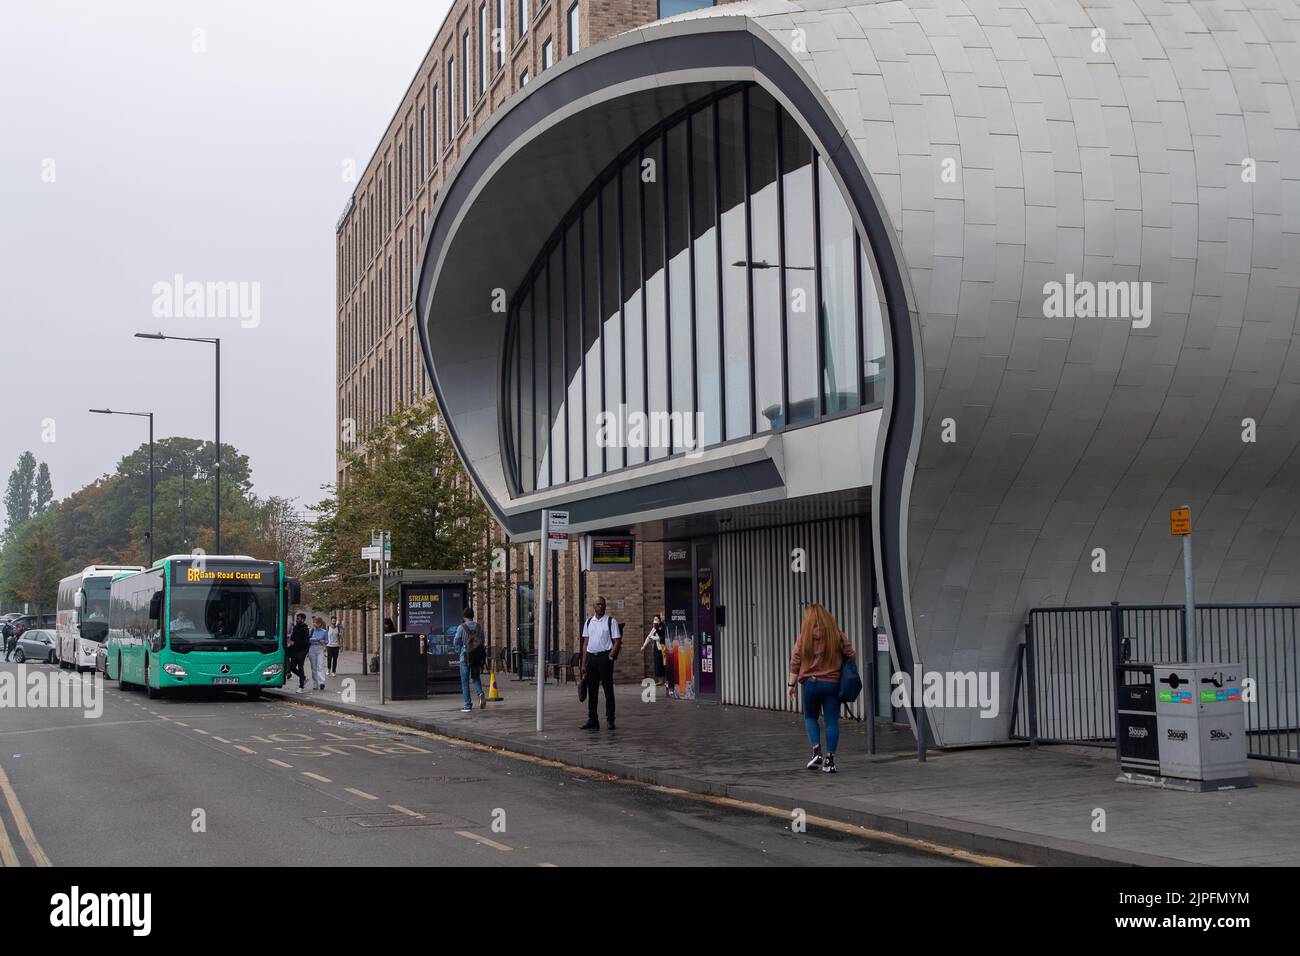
{"type": "Point", "coordinates": [299, 639]}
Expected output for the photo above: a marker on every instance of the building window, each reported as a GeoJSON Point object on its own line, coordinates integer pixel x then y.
{"type": "Point", "coordinates": [729, 295]}
{"type": "Point", "coordinates": [669, 8]}
{"type": "Point", "coordinates": [423, 173]}
{"type": "Point", "coordinates": [523, 17]}
{"type": "Point", "coordinates": [523, 78]}
{"type": "Point", "coordinates": [482, 48]}
{"type": "Point", "coordinates": [464, 79]}
{"type": "Point", "coordinates": [548, 53]}
{"type": "Point", "coordinates": [572, 22]}
{"type": "Point", "coordinates": [499, 36]}
{"type": "Point", "coordinates": [451, 100]}
{"type": "Point", "coordinates": [434, 128]}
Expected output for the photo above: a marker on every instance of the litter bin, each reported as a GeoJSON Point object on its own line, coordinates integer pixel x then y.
{"type": "Point", "coordinates": [404, 667]}
{"type": "Point", "coordinates": [1182, 725]}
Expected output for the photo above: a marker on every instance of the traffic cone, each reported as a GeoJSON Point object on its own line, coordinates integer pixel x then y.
{"type": "Point", "coordinates": [493, 695]}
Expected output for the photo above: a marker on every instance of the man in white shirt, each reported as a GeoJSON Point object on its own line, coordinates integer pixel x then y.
{"type": "Point", "coordinates": [601, 639]}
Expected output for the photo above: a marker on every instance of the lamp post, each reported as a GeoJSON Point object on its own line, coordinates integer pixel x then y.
{"type": "Point", "coordinates": [216, 528]}
{"type": "Point", "coordinates": [148, 415]}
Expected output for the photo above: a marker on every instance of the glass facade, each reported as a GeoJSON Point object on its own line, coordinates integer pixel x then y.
{"type": "Point", "coordinates": [709, 286]}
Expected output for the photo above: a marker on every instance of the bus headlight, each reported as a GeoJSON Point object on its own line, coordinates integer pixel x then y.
{"type": "Point", "coordinates": [176, 670]}
{"type": "Point", "coordinates": [272, 670]}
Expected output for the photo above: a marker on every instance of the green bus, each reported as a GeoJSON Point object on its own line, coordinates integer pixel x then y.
{"type": "Point", "coordinates": [210, 621]}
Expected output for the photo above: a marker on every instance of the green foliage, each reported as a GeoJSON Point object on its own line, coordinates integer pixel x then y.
{"type": "Point", "coordinates": [31, 566]}
{"type": "Point", "coordinates": [409, 480]}
{"type": "Point", "coordinates": [44, 493]}
{"type": "Point", "coordinates": [20, 495]}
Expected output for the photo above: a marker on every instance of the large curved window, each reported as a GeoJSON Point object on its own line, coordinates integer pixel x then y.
{"type": "Point", "coordinates": [709, 286]}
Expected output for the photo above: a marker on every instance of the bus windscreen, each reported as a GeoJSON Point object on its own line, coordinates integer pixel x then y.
{"type": "Point", "coordinates": [94, 612]}
{"type": "Point", "coordinates": [229, 616]}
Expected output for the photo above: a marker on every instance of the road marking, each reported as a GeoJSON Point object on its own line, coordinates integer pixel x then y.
{"type": "Point", "coordinates": [360, 793]}
{"type": "Point", "coordinates": [554, 865]}
{"type": "Point", "coordinates": [20, 822]}
{"type": "Point", "coordinates": [401, 809]}
{"type": "Point", "coordinates": [7, 855]}
{"type": "Point", "coordinates": [484, 840]}
{"type": "Point", "coordinates": [316, 776]}
{"type": "Point", "coordinates": [203, 732]}
{"type": "Point", "coordinates": [280, 763]}
{"type": "Point", "coordinates": [247, 750]}
{"type": "Point", "coordinates": [222, 739]}
{"type": "Point", "coordinates": [179, 724]}
{"type": "Point", "coordinates": [866, 833]}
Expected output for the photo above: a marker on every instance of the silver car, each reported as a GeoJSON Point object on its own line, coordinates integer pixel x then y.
{"type": "Point", "coordinates": [35, 645]}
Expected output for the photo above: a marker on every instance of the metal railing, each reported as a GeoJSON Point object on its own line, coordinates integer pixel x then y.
{"type": "Point", "coordinates": [1065, 680]}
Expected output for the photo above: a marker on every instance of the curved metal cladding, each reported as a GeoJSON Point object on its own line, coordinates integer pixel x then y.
{"type": "Point", "coordinates": [992, 150]}
{"type": "Point", "coordinates": [1017, 145]}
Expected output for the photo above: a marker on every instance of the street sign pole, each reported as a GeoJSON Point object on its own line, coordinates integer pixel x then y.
{"type": "Point", "coordinates": [542, 618]}
{"type": "Point", "coordinates": [1180, 525]}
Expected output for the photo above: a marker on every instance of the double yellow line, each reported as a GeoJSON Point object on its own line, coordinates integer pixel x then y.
{"type": "Point", "coordinates": [7, 855]}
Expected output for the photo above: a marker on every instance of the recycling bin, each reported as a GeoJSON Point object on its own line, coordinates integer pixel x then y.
{"type": "Point", "coordinates": [404, 666]}
{"type": "Point", "coordinates": [1201, 723]}
{"type": "Point", "coordinates": [1181, 725]}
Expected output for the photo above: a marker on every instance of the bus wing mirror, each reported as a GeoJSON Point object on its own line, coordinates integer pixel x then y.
{"type": "Point", "coordinates": [155, 606]}
{"type": "Point", "coordinates": [79, 599]}
{"type": "Point", "coordinates": [294, 587]}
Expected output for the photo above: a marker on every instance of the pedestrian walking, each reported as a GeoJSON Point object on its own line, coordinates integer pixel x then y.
{"type": "Point", "coordinates": [471, 651]}
{"type": "Point", "coordinates": [601, 640]}
{"type": "Point", "coordinates": [656, 638]}
{"type": "Point", "coordinates": [819, 654]}
{"type": "Point", "coordinates": [7, 638]}
{"type": "Point", "coordinates": [333, 641]}
{"type": "Point", "coordinates": [299, 641]}
{"type": "Point", "coordinates": [316, 651]}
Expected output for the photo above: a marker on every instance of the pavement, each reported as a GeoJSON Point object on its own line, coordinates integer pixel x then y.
{"type": "Point", "coordinates": [211, 778]}
{"type": "Point", "coordinates": [1048, 805]}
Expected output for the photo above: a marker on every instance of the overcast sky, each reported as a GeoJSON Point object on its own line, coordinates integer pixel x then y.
{"type": "Point", "coordinates": [127, 157]}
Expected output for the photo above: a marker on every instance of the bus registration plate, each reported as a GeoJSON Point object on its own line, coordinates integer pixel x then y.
{"type": "Point", "coordinates": [225, 680]}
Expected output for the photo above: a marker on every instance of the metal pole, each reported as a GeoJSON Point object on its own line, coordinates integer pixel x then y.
{"type": "Point", "coordinates": [542, 620]}
{"type": "Point", "coordinates": [1189, 631]}
{"type": "Point", "coordinates": [151, 489]}
{"type": "Point", "coordinates": [918, 709]}
{"type": "Point", "coordinates": [217, 528]}
{"type": "Point", "coordinates": [382, 552]}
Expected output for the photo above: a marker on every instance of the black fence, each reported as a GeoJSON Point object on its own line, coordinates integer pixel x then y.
{"type": "Point", "coordinates": [1065, 682]}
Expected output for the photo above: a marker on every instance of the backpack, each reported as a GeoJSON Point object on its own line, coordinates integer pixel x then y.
{"type": "Point", "coordinates": [475, 649]}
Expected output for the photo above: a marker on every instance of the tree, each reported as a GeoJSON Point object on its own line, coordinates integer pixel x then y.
{"type": "Point", "coordinates": [20, 496]}
{"type": "Point", "coordinates": [409, 480]}
{"type": "Point", "coordinates": [34, 567]}
{"type": "Point", "coordinates": [44, 492]}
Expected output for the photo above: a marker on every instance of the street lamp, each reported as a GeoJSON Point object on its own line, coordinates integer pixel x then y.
{"type": "Point", "coordinates": [216, 342]}
{"type": "Point", "coordinates": [148, 415]}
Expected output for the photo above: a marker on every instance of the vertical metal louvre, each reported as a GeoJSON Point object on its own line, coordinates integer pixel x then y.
{"type": "Point", "coordinates": [765, 598]}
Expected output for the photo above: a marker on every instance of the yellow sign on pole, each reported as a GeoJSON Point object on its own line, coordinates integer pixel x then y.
{"type": "Point", "coordinates": [1180, 521]}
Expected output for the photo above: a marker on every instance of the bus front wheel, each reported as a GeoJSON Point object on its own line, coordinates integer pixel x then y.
{"type": "Point", "coordinates": [122, 683]}
{"type": "Point", "coordinates": [153, 692]}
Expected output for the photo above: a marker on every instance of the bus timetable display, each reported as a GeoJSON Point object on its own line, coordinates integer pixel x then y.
{"type": "Point", "coordinates": [264, 574]}
{"type": "Point", "coordinates": [611, 553]}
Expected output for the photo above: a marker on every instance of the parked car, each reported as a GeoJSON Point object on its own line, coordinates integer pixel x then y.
{"type": "Point", "coordinates": [35, 645]}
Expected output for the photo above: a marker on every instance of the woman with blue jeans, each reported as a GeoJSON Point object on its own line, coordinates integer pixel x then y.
{"type": "Point", "coordinates": [818, 655]}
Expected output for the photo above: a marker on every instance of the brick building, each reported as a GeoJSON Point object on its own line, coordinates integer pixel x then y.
{"type": "Point", "coordinates": [484, 53]}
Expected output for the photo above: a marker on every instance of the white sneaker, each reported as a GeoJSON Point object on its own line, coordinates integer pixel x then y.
{"type": "Point", "coordinates": [301, 690]}
{"type": "Point", "coordinates": [467, 710]}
